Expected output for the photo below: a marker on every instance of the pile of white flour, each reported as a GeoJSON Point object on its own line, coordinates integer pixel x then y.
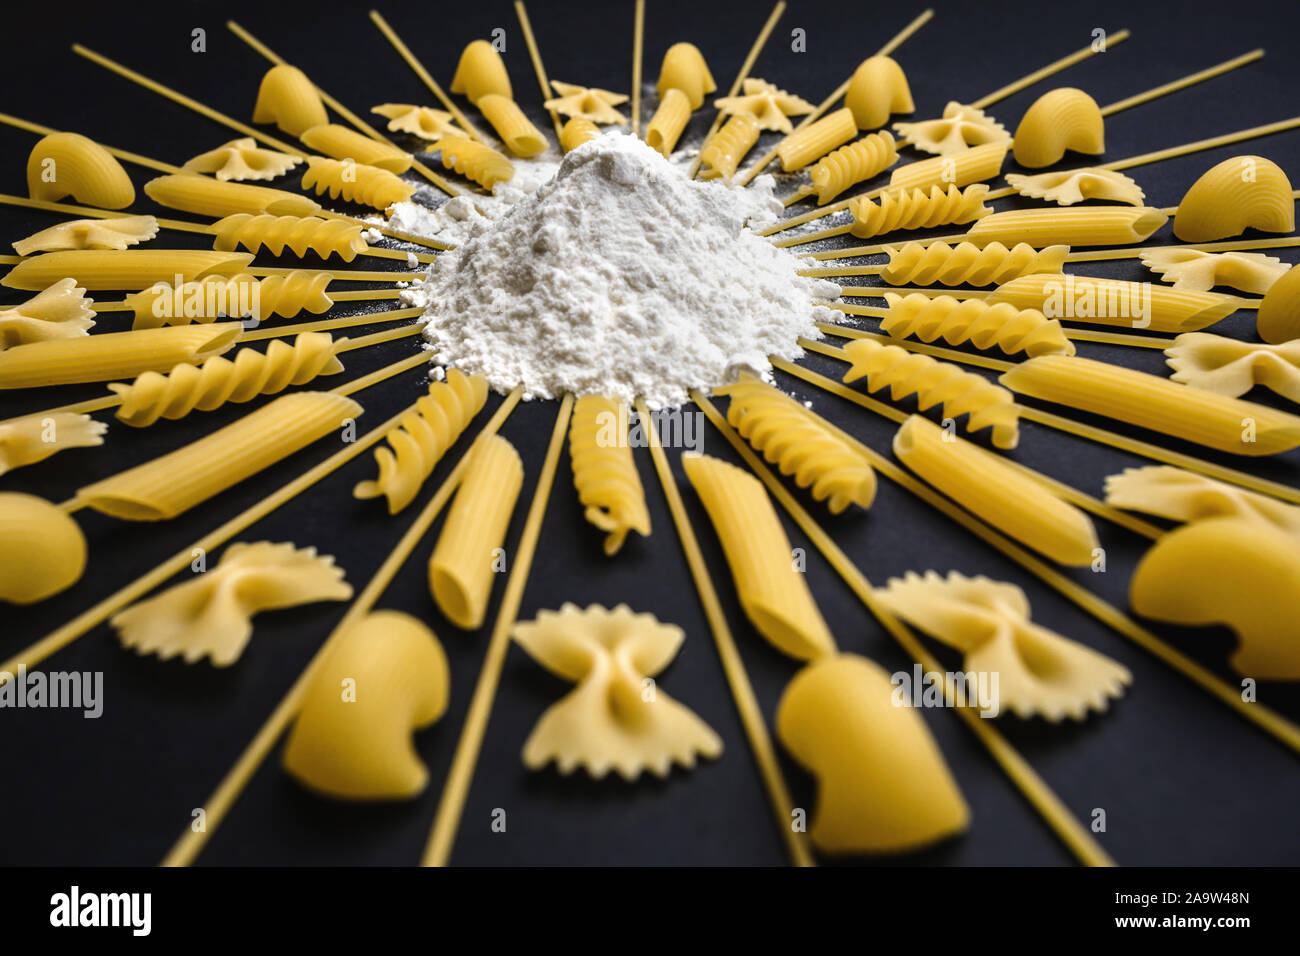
{"type": "Point", "coordinates": [620, 277]}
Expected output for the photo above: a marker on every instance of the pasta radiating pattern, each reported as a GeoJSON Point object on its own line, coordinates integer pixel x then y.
{"type": "Point", "coordinates": [325, 237]}
{"type": "Point", "coordinates": [920, 263]}
{"type": "Point", "coordinates": [975, 321]}
{"type": "Point", "coordinates": [604, 473]}
{"type": "Point", "coordinates": [915, 209]}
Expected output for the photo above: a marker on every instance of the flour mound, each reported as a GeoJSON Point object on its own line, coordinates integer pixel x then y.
{"type": "Point", "coordinates": [620, 277]}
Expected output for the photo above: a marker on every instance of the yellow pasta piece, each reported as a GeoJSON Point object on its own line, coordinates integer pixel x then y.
{"type": "Point", "coordinates": [769, 106]}
{"type": "Point", "coordinates": [975, 321]}
{"type": "Point", "coordinates": [882, 784]}
{"type": "Point", "coordinates": [469, 550]}
{"type": "Point", "coordinates": [205, 196]}
{"type": "Point", "coordinates": [816, 140]}
{"type": "Point", "coordinates": [604, 473]}
{"type": "Point", "coordinates": [171, 484]}
{"type": "Point", "coordinates": [211, 615]}
{"type": "Point", "coordinates": [356, 182]}
{"type": "Point", "coordinates": [684, 69]}
{"type": "Point", "coordinates": [98, 269]}
{"type": "Point", "coordinates": [960, 128]}
{"type": "Point", "coordinates": [289, 100]}
{"type": "Point", "coordinates": [325, 237]}
{"type": "Point", "coordinates": [920, 263]}
{"type": "Point", "coordinates": [422, 437]}
{"type": "Point", "coordinates": [801, 444]}
{"type": "Point", "coordinates": [1149, 401]}
{"type": "Point", "coordinates": [44, 552]}
{"type": "Point", "coordinates": [933, 382]}
{"type": "Point", "coordinates": [1084, 226]}
{"type": "Point", "coordinates": [384, 678]}
{"type": "Point", "coordinates": [1202, 271]}
{"type": "Point", "coordinates": [1279, 310]}
{"type": "Point", "coordinates": [1005, 497]}
{"type": "Point", "coordinates": [1039, 672]}
{"type": "Point", "coordinates": [1244, 192]}
{"type": "Point", "coordinates": [917, 209]}
{"type": "Point", "coordinates": [343, 143]}
{"type": "Point", "coordinates": [877, 88]}
{"type": "Point", "coordinates": [1185, 496]}
{"type": "Point", "coordinates": [852, 164]}
{"type": "Point", "coordinates": [722, 154]}
{"type": "Point", "coordinates": [1141, 305]}
{"type": "Point", "coordinates": [481, 72]}
{"type": "Point", "coordinates": [576, 132]}
{"type": "Point", "coordinates": [1237, 572]}
{"type": "Point", "coordinates": [611, 721]}
{"type": "Point", "coordinates": [242, 159]}
{"type": "Point", "coordinates": [110, 355]}
{"type": "Point", "coordinates": [214, 297]}
{"type": "Point", "coordinates": [581, 102]}
{"type": "Point", "coordinates": [60, 312]}
{"type": "Point", "coordinates": [219, 380]}
{"type": "Point", "coordinates": [422, 121]}
{"type": "Point", "coordinates": [33, 438]}
{"type": "Point", "coordinates": [1059, 120]}
{"type": "Point", "coordinates": [515, 129]}
{"type": "Point", "coordinates": [69, 164]}
{"type": "Point", "coordinates": [668, 122]}
{"type": "Point", "coordinates": [1070, 186]}
{"type": "Point", "coordinates": [1232, 367]}
{"type": "Point", "coordinates": [475, 161]}
{"type": "Point", "coordinates": [115, 233]}
{"type": "Point", "coordinates": [773, 594]}
{"type": "Point", "coordinates": [973, 165]}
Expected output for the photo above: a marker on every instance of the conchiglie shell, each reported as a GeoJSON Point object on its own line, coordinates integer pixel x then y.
{"type": "Point", "coordinates": [1279, 310]}
{"type": "Point", "coordinates": [877, 89]}
{"type": "Point", "coordinates": [289, 100]}
{"type": "Point", "coordinates": [69, 164]}
{"type": "Point", "coordinates": [481, 71]}
{"type": "Point", "coordinates": [684, 69]}
{"type": "Point", "coordinates": [1060, 119]}
{"type": "Point", "coordinates": [1237, 194]}
{"type": "Point", "coordinates": [42, 550]}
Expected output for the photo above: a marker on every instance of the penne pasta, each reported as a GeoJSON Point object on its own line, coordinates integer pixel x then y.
{"type": "Point", "coordinates": [98, 269]}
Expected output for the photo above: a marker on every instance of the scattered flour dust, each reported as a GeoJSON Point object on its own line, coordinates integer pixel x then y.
{"type": "Point", "coordinates": [619, 277]}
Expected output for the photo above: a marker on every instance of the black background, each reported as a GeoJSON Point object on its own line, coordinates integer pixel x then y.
{"type": "Point", "coordinates": [1182, 779]}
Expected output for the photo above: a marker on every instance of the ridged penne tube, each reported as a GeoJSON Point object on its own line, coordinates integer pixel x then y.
{"type": "Point", "coordinates": [60, 312]}
{"type": "Point", "coordinates": [976, 321]}
{"type": "Point", "coordinates": [33, 438]}
{"type": "Point", "coordinates": [340, 142]}
{"type": "Point", "coordinates": [1279, 311]}
{"type": "Point", "coordinates": [974, 165]}
{"type": "Point", "coordinates": [289, 100]}
{"type": "Point", "coordinates": [1233, 367]}
{"type": "Point", "coordinates": [475, 161]}
{"type": "Point", "coordinates": [852, 164]}
{"type": "Point", "coordinates": [722, 154]}
{"type": "Point", "coordinates": [325, 237]}
{"type": "Point", "coordinates": [960, 128]}
{"type": "Point", "coordinates": [214, 297]}
{"type": "Point", "coordinates": [514, 128]}
{"type": "Point", "coordinates": [1070, 186]}
{"type": "Point", "coordinates": [1186, 496]}
{"type": "Point", "coordinates": [98, 269]}
{"type": "Point", "coordinates": [422, 121]}
{"type": "Point", "coordinates": [1244, 192]}
{"type": "Point", "coordinates": [384, 677]}
{"type": "Point", "coordinates": [670, 119]}
{"type": "Point", "coordinates": [1202, 271]}
{"type": "Point", "coordinates": [1082, 226]}
{"type": "Point", "coordinates": [241, 159]}
{"type": "Point", "coordinates": [917, 209]}
{"type": "Point", "coordinates": [1059, 120]}
{"type": "Point", "coordinates": [604, 473]}
{"type": "Point", "coordinates": [206, 196]}
{"type": "Point", "coordinates": [1140, 305]}
{"type": "Point", "coordinates": [774, 595]}
{"type": "Point", "coordinates": [171, 484]}
{"type": "Point", "coordinates": [577, 131]}
{"type": "Point", "coordinates": [110, 355]}
{"type": "Point", "coordinates": [933, 382]}
{"type": "Point", "coordinates": [684, 69]}
{"type": "Point", "coordinates": [1005, 497]}
{"type": "Point", "coordinates": [115, 233]}
{"type": "Point", "coordinates": [356, 182]}
{"type": "Point", "coordinates": [422, 437]}
{"type": "Point", "coordinates": [923, 264]}
{"type": "Point", "coordinates": [877, 88]}
{"type": "Point", "coordinates": [801, 444]}
{"type": "Point", "coordinates": [69, 164]}
{"type": "Point", "coordinates": [44, 550]}
{"type": "Point", "coordinates": [469, 550]}
{"type": "Point", "coordinates": [480, 72]}
{"type": "Point", "coordinates": [1149, 401]}
{"type": "Point", "coordinates": [816, 139]}
{"type": "Point", "coordinates": [219, 380]}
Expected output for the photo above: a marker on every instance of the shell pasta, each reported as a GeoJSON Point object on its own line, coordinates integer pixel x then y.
{"type": "Point", "coordinates": [289, 100]}
{"type": "Point", "coordinates": [69, 164]}
{"type": "Point", "coordinates": [684, 69]}
{"type": "Point", "coordinates": [481, 72]}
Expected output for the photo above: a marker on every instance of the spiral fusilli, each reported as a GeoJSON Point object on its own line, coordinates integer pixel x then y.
{"type": "Point", "coordinates": [855, 163]}
{"type": "Point", "coordinates": [722, 154]}
{"type": "Point", "coordinates": [482, 164]}
{"type": "Point", "coordinates": [355, 182]}
{"type": "Point", "coordinates": [603, 471]}
{"type": "Point", "coordinates": [216, 297]}
{"type": "Point", "coordinates": [917, 209]}
{"type": "Point", "coordinates": [325, 237]}
{"type": "Point", "coordinates": [975, 321]}
{"type": "Point", "coordinates": [918, 263]}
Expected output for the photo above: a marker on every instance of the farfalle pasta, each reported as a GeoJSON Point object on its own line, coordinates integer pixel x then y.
{"type": "Point", "coordinates": [1232, 367]}
{"type": "Point", "coordinates": [773, 594]}
{"type": "Point", "coordinates": [212, 615]}
{"type": "Point", "coordinates": [722, 154]}
{"type": "Point", "coordinates": [422, 121]}
{"type": "Point", "coordinates": [852, 164]}
{"type": "Point", "coordinates": [769, 106]}
{"type": "Point", "coordinates": [1040, 673]}
{"type": "Point", "coordinates": [44, 552]}
{"type": "Point", "coordinates": [69, 164]}
{"type": "Point", "coordinates": [974, 321]}
{"type": "Point", "coordinates": [237, 296]}
{"type": "Point", "coordinates": [925, 263]}
{"type": "Point", "coordinates": [684, 69]}
{"type": "Point", "coordinates": [514, 128]}
{"type": "Point", "coordinates": [117, 233]}
{"type": "Point", "coordinates": [1202, 271]}
{"type": "Point", "coordinates": [960, 128]}
{"type": "Point", "coordinates": [576, 132]}
{"type": "Point", "coordinates": [1084, 226]}
{"type": "Point", "coordinates": [974, 165]}
{"type": "Point", "coordinates": [1244, 192]}
{"type": "Point", "coordinates": [242, 159]}
{"type": "Point", "coordinates": [604, 473]}
{"type": "Point", "coordinates": [1186, 496]}
{"type": "Point", "coordinates": [206, 196]}
{"type": "Point", "coordinates": [33, 438]}
{"type": "Point", "coordinates": [669, 120]}
{"type": "Point", "coordinates": [343, 143]}
{"type": "Point", "coordinates": [475, 161]}
{"type": "Point", "coordinates": [356, 182]}
{"type": "Point", "coordinates": [581, 102]}
{"type": "Point", "coordinates": [1141, 305]}
{"type": "Point", "coordinates": [98, 269]}
{"type": "Point", "coordinates": [616, 718]}
{"type": "Point", "coordinates": [289, 100]}
{"type": "Point", "coordinates": [481, 72]}
{"type": "Point", "coordinates": [917, 209]}
{"type": "Point", "coordinates": [60, 312]}
{"type": "Point", "coordinates": [1279, 311]}
{"type": "Point", "coordinates": [816, 140]}
{"type": "Point", "coordinates": [1070, 186]}
{"type": "Point", "coordinates": [1062, 119]}
{"type": "Point", "coordinates": [877, 88]}
{"type": "Point", "coordinates": [325, 237]}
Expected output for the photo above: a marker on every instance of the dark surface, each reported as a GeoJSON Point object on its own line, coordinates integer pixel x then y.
{"type": "Point", "coordinates": [1182, 779]}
